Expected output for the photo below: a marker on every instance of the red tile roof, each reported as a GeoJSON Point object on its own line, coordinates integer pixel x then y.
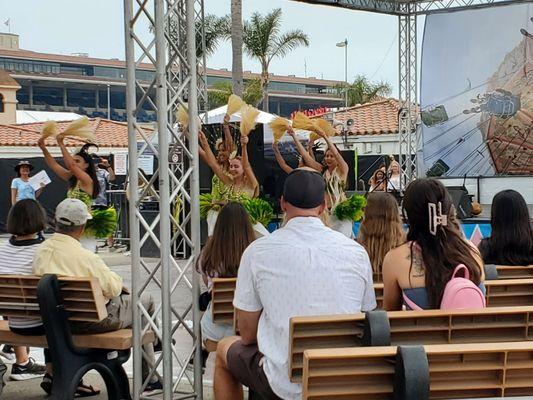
{"type": "Point", "coordinates": [107, 133]}
{"type": "Point", "coordinates": [377, 118]}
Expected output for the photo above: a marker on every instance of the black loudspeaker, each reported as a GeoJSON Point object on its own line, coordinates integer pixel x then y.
{"type": "Point", "coordinates": [149, 248]}
{"type": "Point", "coordinates": [461, 200]}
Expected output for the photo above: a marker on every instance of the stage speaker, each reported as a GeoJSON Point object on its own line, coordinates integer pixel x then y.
{"type": "Point", "coordinates": [149, 248]}
{"type": "Point", "coordinates": [461, 200]}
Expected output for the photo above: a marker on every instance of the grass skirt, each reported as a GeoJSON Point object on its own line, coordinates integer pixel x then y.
{"type": "Point", "coordinates": [103, 224]}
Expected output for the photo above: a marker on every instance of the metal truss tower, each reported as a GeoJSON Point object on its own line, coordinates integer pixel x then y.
{"type": "Point", "coordinates": [408, 94]}
{"type": "Point", "coordinates": [170, 35]}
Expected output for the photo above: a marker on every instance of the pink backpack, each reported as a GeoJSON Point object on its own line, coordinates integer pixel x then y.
{"type": "Point", "coordinates": [459, 293]}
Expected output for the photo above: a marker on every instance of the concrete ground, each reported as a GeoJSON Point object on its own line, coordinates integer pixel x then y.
{"type": "Point", "coordinates": [120, 263]}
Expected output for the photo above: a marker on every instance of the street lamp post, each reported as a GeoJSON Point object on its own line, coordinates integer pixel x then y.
{"type": "Point", "coordinates": [345, 45]}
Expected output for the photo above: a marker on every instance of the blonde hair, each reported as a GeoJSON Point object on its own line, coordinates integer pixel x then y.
{"type": "Point", "coordinates": [381, 229]}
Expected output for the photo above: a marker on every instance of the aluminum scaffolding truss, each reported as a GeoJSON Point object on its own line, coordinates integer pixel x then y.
{"type": "Point", "coordinates": [407, 12]}
{"type": "Point", "coordinates": [164, 33]}
{"type": "Point", "coordinates": [407, 79]}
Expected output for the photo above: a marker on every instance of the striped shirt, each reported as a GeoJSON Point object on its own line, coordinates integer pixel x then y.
{"type": "Point", "coordinates": [16, 258]}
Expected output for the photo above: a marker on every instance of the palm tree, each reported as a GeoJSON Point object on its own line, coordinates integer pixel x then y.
{"type": "Point", "coordinates": [219, 94]}
{"type": "Point", "coordinates": [264, 41]}
{"type": "Point", "coordinates": [215, 28]}
{"type": "Point", "coordinates": [363, 91]}
{"type": "Point", "coordinates": [236, 47]}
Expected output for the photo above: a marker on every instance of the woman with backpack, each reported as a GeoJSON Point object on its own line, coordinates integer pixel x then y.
{"type": "Point", "coordinates": [436, 267]}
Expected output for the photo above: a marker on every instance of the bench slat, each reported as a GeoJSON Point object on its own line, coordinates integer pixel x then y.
{"type": "Point", "coordinates": [506, 324]}
{"type": "Point", "coordinates": [456, 371]}
{"type": "Point", "coordinates": [116, 340]}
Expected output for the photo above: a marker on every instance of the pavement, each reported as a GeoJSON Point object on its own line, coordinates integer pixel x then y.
{"type": "Point", "coordinates": [120, 263]}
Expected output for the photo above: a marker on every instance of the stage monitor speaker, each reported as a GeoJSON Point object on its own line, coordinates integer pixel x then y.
{"type": "Point", "coordinates": [461, 200]}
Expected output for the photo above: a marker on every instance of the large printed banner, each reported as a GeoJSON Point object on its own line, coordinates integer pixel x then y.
{"type": "Point", "coordinates": [477, 93]}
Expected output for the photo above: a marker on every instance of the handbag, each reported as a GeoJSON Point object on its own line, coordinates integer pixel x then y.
{"type": "Point", "coordinates": [204, 300]}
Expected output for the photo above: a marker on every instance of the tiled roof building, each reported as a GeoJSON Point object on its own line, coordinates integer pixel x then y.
{"type": "Point", "coordinates": [107, 134]}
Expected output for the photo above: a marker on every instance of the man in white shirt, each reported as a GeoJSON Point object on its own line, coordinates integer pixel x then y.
{"type": "Point", "coordinates": [301, 269]}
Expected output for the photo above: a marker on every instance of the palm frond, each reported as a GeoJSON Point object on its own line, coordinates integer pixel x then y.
{"type": "Point", "coordinates": [288, 42]}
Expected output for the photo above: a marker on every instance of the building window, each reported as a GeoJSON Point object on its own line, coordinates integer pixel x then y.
{"type": "Point", "coordinates": [1, 103]}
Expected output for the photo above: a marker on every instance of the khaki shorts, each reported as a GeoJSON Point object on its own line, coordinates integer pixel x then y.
{"type": "Point", "coordinates": [246, 364]}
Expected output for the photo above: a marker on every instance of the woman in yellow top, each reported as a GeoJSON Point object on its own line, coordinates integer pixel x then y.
{"type": "Point", "coordinates": [241, 179]}
{"type": "Point", "coordinates": [225, 147]}
{"type": "Point", "coordinates": [236, 184]}
{"type": "Point", "coordinates": [80, 173]}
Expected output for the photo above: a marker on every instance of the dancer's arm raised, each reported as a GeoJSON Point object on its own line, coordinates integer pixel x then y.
{"type": "Point", "coordinates": [281, 162]}
{"type": "Point", "coordinates": [248, 171]}
{"type": "Point", "coordinates": [59, 170]}
{"type": "Point", "coordinates": [308, 160]}
{"type": "Point", "coordinates": [342, 165]}
{"type": "Point", "coordinates": [86, 182]}
{"type": "Point", "coordinates": [229, 144]}
{"type": "Point", "coordinates": [207, 154]}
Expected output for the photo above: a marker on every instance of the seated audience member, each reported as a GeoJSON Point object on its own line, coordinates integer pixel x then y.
{"type": "Point", "coordinates": [435, 246]}
{"type": "Point", "coordinates": [301, 269]}
{"type": "Point", "coordinates": [511, 240]}
{"type": "Point", "coordinates": [381, 229]}
{"type": "Point", "coordinates": [220, 258]}
{"type": "Point", "coordinates": [63, 254]}
{"type": "Point", "coordinates": [25, 219]}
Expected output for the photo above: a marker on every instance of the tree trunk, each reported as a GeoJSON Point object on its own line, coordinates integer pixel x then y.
{"type": "Point", "coordinates": [236, 46]}
{"type": "Point", "coordinates": [264, 84]}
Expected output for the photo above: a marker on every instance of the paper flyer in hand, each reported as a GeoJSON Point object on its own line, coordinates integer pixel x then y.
{"type": "Point", "coordinates": [40, 177]}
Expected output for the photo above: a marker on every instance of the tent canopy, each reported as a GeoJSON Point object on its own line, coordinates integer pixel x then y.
{"type": "Point", "coordinates": [216, 116]}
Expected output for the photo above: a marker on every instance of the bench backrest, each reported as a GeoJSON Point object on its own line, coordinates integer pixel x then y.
{"type": "Point", "coordinates": [82, 297]}
{"type": "Point", "coordinates": [506, 324]}
{"type": "Point", "coordinates": [500, 292]}
{"type": "Point", "coordinates": [455, 371]}
{"type": "Point", "coordinates": [222, 300]}
{"type": "Point", "coordinates": [514, 272]}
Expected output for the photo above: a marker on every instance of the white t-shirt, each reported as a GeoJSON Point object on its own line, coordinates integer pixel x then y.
{"type": "Point", "coordinates": [301, 269]}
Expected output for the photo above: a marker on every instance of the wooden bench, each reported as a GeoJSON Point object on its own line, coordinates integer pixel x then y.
{"type": "Point", "coordinates": [57, 300]}
{"type": "Point", "coordinates": [506, 324]}
{"type": "Point", "coordinates": [222, 300]}
{"type": "Point", "coordinates": [508, 272]}
{"type": "Point", "coordinates": [457, 371]}
{"type": "Point", "coordinates": [500, 292]}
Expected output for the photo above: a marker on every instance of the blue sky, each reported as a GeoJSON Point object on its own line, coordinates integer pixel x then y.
{"type": "Point", "coordinates": [96, 27]}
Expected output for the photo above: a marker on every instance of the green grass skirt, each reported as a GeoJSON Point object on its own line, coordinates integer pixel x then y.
{"type": "Point", "coordinates": [103, 224]}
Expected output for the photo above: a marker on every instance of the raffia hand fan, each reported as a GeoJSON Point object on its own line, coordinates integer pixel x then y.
{"type": "Point", "coordinates": [248, 116]}
{"type": "Point", "coordinates": [279, 126]}
{"type": "Point", "coordinates": [80, 129]}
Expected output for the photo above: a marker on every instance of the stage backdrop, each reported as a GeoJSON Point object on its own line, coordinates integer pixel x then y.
{"type": "Point", "coordinates": [477, 93]}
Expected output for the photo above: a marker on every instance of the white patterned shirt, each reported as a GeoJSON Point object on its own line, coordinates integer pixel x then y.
{"type": "Point", "coordinates": [301, 269]}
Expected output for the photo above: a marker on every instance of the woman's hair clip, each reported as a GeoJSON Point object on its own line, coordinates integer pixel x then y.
{"type": "Point", "coordinates": [233, 155]}
{"type": "Point", "coordinates": [435, 217]}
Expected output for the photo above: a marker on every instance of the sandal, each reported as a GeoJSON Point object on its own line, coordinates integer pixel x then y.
{"type": "Point", "coordinates": [83, 390]}
{"type": "Point", "coordinates": [46, 384]}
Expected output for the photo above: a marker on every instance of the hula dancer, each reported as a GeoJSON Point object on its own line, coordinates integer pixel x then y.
{"type": "Point", "coordinates": [342, 211]}
{"type": "Point", "coordinates": [80, 173]}
{"type": "Point", "coordinates": [239, 185]}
